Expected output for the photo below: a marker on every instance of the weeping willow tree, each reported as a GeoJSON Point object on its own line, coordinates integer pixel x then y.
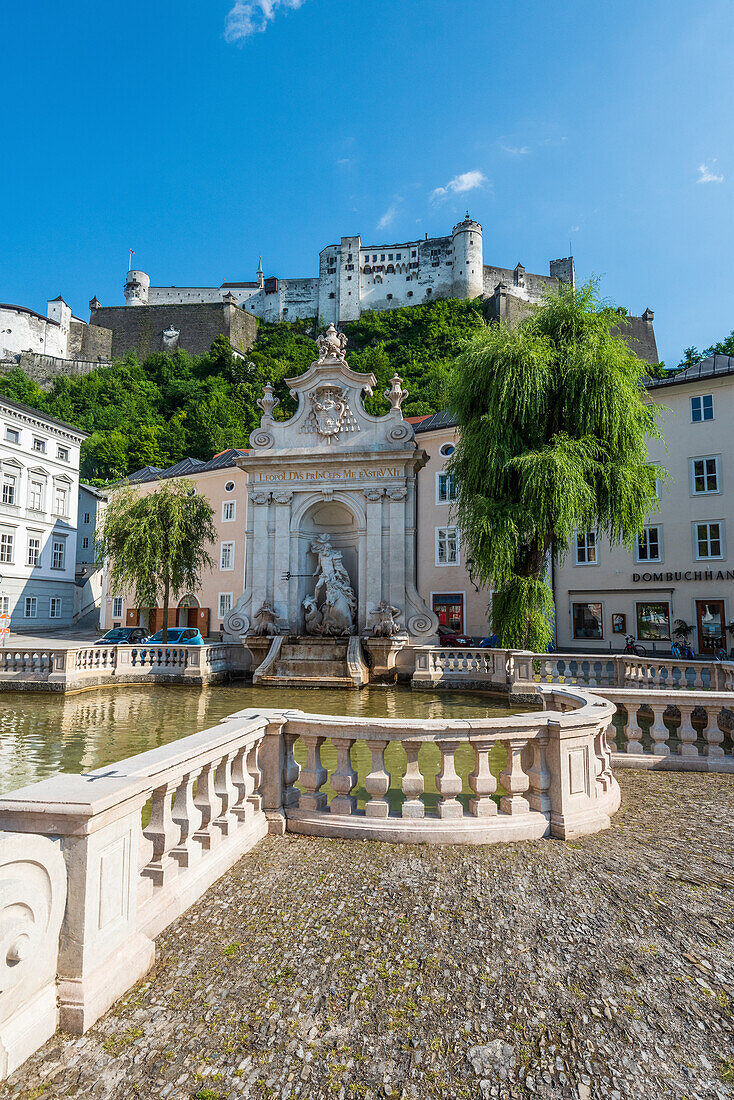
{"type": "Point", "coordinates": [553, 421]}
{"type": "Point", "coordinates": [156, 543]}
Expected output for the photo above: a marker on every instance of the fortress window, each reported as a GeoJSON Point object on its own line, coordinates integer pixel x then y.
{"type": "Point", "coordinates": [430, 290]}
{"type": "Point", "coordinates": [399, 256]}
{"type": "Point", "coordinates": [390, 256]}
{"type": "Point", "coordinates": [389, 297]}
{"type": "Point", "coordinates": [410, 293]}
{"type": "Point", "coordinates": [382, 258]}
{"type": "Point", "coordinates": [413, 253]}
{"type": "Point", "coordinates": [367, 269]}
{"type": "Point", "coordinates": [374, 259]}
{"type": "Point", "coordinates": [332, 295]}
{"type": "Point", "coordinates": [390, 270]}
{"type": "Point", "coordinates": [349, 256]}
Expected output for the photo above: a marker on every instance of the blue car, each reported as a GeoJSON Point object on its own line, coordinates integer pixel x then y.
{"type": "Point", "coordinates": [124, 635]}
{"type": "Point", "coordinates": [178, 635]}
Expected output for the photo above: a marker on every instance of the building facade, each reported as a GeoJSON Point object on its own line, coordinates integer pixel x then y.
{"type": "Point", "coordinates": [38, 518]}
{"type": "Point", "coordinates": [683, 565]}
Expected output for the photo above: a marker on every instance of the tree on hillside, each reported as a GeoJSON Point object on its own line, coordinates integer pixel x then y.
{"type": "Point", "coordinates": [156, 544]}
{"type": "Point", "coordinates": [553, 422]}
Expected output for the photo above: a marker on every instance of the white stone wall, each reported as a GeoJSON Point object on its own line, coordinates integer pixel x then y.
{"type": "Point", "coordinates": [24, 330]}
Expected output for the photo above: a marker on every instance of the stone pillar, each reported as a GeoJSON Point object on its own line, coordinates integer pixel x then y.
{"type": "Point", "coordinates": [396, 573]}
{"type": "Point", "coordinates": [259, 501]}
{"type": "Point", "coordinates": [373, 555]}
{"type": "Point", "coordinates": [282, 501]}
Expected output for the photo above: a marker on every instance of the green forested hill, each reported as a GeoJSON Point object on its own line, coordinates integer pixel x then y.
{"type": "Point", "coordinates": [169, 406]}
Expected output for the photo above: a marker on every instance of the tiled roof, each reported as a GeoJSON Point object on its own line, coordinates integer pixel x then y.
{"type": "Point", "coordinates": [189, 465]}
{"type": "Point", "coordinates": [713, 367]}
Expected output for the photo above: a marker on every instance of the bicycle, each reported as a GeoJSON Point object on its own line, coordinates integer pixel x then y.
{"type": "Point", "coordinates": [682, 650]}
{"type": "Point", "coordinates": [634, 647]}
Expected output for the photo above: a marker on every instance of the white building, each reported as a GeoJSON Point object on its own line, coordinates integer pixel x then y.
{"type": "Point", "coordinates": [58, 335]}
{"type": "Point", "coordinates": [354, 277]}
{"type": "Point", "coordinates": [39, 492]}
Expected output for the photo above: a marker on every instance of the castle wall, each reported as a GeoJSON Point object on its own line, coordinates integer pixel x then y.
{"type": "Point", "coordinates": [24, 330]}
{"type": "Point", "coordinates": [140, 328]}
{"type": "Point", "coordinates": [88, 341]}
{"type": "Point", "coordinates": [525, 285]}
{"type": "Point", "coordinates": [183, 295]}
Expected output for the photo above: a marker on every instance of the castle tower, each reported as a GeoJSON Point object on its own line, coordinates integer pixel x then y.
{"type": "Point", "coordinates": [137, 284]}
{"type": "Point", "coordinates": [468, 259]}
{"type": "Point", "coordinates": [260, 275]}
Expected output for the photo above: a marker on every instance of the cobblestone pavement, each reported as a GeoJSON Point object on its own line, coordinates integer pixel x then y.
{"type": "Point", "coordinates": [319, 968]}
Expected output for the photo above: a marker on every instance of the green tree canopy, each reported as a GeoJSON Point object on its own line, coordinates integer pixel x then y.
{"type": "Point", "coordinates": [553, 422]}
{"type": "Point", "coordinates": [156, 543]}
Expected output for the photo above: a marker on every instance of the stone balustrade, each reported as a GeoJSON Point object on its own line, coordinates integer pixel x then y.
{"type": "Point", "coordinates": [435, 665]}
{"type": "Point", "coordinates": [76, 845]}
{"type": "Point", "coordinates": [49, 669]}
{"type": "Point", "coordinates": [620, 670]}
{"type": "Point", "coordinates": [673, 730]}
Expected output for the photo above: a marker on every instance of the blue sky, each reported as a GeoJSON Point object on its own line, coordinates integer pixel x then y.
{"type": "Point", "coordinates": [184, 130]}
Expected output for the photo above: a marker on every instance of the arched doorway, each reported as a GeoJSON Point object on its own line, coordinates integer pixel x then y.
{"type": "Point", "coordinates": [188, 609]}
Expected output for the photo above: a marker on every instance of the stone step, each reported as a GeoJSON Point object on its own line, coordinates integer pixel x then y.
{"type": "Point", "coordinates": [295, 681]}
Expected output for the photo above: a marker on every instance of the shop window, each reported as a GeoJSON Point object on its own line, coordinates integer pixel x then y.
{"type": "Point", "coordinates": [449, 609]}
{"type": "Point", "coordinates": [702, 408]}
{"type": "Point", "coordinates": [649, 545]}
{"type": "Point", "coordinates": [587, 620]}
{"type": "Point", "coordinates": [586, 548]}
{"type": "Point", "coordinates": [653, 622]}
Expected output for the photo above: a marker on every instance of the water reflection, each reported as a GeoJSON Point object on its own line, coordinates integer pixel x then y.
{"type": "Point", "coordinates": [42, 734]}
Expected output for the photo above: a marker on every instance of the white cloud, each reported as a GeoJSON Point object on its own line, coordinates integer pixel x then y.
{"type": "Point", "coordinates": [516, 150]}
{"type": "Point", "coordinates": [248, 17]}
{"type": "Point", "coordinates": [467, 181]}
{"type": "Point", "coordinates": [388, 217]}
{"type": "Point", "coordinates": [708, 174]}
{"type": "Point", "coordinates": [575, 229]}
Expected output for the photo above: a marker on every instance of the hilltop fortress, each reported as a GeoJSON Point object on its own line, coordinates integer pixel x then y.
{"type": "Point", "coordinates": [354, 277]}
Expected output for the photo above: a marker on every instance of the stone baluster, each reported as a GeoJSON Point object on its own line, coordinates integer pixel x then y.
{"type": "Point", "coordinates": [713, 735]}
{"type": "Point", "coordinates": [633, 732]}
{"type": "Point", "coordinates": [483, 783]}
{"type": "Point", "coordinates": [164, 834]}
{"type": "Point", "coordinates": [145, 855]}
{"type": "Point", "coordinates": [514, 779]}
{"type": "Point", "coordinates": [698, 673]}
{"type": "Point", "coordinates": [226, 792]}
{"type": "Point", "coordinates": [603, 756]}
{"type": "Point", "coordinates": [659, 731]}
{"type": "Point", "coordinates": [344, 779]}
{"type": "Point", "coordinates": [377, 782]}
{"type": "Point", "coordinates": [256, 775]}
{"type": "Point", "coordinates": [242, 808]}
{"type": "Point", "coordinates": [291, 771]}
{"type": "Point", "coordinates": [187, 817]}
{"type": "Point", "coordinates": [539, 776]}
{"type": "Point", "coordinates": [449, 782]}
{"type": "Point", "coordinates": [592, 680]}
{"type": "Point", "coordinates": [687, 735]}
{"type": "Point", "coordinates": [313, 776]}
{"type": "Point", "coordinates": [208, 804]}
{"type": "Point", "coordinates": [412, 781]}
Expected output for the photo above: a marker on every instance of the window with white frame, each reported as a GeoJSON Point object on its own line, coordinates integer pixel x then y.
{"type": "Point", "coordinates": [35, 495]}
{"type": "Point", "coordinates": [117, 607]}
{"type": "Point", "coordinates": [709, 540]}
{"type": "Point", "coordinates": [586, 548]}
{"type": "Point", "coordinates": [7, 542]}
{"type": "Point", "coordinates": [10, 483]}
{"type": "Point", "coordinates": [12, 435]}
{"type": "Point", "coordinates": [229, 510]}
{"type": "Point", "coordinates": [31, 607]}
{"type": "Point", "coordinates": [445, 488]}
{"type": "Point", "coordinates": [447, 546]}
{"type": "Point", "coordinates": [61, 500]}
{"type": "Point", "coordinates": [34, 550]}
{"type": "Point", "coordinates": [650, 544]}
{"type": "Point", "coordinates": [39, 445]}
{"type": "Point", "coordinates": [702, 408]}
{"type": "Point", "coordinates": [58, 554]}
{"type": "Point", "coordinates": [705, 475]}
{"type": "Point", "coordinates": [225, 604]}
{"type": "Point", "coordinates": [55, 608]}
{"type": "Point", "coordinates": [226, 557]}
{"type": "Point", "coordinates": [4, 605]}
{"type": "Point", "coordinates": [62, 453]}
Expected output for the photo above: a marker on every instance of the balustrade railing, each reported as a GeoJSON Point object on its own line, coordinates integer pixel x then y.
{"type": "Point", "coordinates": [436, 663]}
{"type": "Point", "coordinates": [673, 730]}
{"type": "Point", "coordinates": [621, 670]}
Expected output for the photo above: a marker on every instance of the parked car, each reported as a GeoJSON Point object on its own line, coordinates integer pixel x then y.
{"type": "Point", "coordinates": [452, 638]}
{"type": "Point", "coordinates": [179, 635]}
{"type": "Point", "coordinates": [124, 635]}
{"type": "Point", "coordinates": [488, 643]}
